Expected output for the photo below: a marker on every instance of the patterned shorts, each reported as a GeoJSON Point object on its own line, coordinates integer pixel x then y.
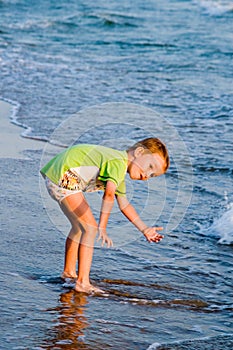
{"type": "Point", "coordinates": [58, 193]}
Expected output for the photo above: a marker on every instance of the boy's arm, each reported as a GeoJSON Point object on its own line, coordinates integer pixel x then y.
{"type": "Point", "coordinates": [107, 204]}
{"type": "Point", "coordinates": [128, 210]}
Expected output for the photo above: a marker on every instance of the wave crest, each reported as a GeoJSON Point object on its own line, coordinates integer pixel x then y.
{"type": "Point", "coordinates": [223, 227]}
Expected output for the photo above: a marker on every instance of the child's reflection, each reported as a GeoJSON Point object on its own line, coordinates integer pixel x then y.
{"type": "Point", "coordinates": [70, 321]}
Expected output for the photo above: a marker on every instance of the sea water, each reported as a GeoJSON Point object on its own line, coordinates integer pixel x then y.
{"type": "Point", "coordinates": [148, 67]}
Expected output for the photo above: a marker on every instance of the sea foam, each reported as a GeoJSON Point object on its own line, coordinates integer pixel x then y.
{"type": "Point", "coordinates": [215, 7]}
{"type": "Point", "coordinates": [222, 227]}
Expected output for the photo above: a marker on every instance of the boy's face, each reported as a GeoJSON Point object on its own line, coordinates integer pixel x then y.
{"type": "Point", "coordinates": [144, 166]}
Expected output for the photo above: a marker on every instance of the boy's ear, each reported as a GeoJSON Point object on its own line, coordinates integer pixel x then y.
{"type": "Point", "coordinates": [139, 151]}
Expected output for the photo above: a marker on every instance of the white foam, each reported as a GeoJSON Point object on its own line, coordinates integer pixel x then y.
{"type": "Point", "coordinates": [30, 24]}
{"type": "Point", "coordinates": [194, 341]}
{"type": "Point", "coordinates": [27, 130]}
{"type": "Point", "coordinates": [222, 227]}
{"type": "Point", "coordinates": [154, 346]}
{"type": "Point", "coordinates": [14, 110]}
{"type": "Point", "coordinates": [215, 7]}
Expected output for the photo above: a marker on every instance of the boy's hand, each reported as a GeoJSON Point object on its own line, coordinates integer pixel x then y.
{"type": "Point", "coordinates": [151, 234]}
{"type": "Point", "coordinates": [104, 237]}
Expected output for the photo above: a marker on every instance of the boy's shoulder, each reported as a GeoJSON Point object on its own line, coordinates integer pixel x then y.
{"type": "Point", "coordinates": [106, 151]}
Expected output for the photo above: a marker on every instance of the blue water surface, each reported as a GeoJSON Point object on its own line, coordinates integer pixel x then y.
{"type": "Point", "coordinates": [175, 58]}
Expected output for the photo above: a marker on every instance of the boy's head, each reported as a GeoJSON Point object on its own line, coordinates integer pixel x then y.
{"type": "Point", "coordinates": [147, 158]}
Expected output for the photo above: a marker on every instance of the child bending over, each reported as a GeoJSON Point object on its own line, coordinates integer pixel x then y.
{"type": "Point", "coordinates": [87, 168]}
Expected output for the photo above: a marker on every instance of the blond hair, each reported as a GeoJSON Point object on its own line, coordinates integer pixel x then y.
{"type": "Point", "coordinates": [153, 145]}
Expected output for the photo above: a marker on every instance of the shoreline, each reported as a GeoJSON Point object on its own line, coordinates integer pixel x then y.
{"type": "Point", "coordinates": [12, 144]}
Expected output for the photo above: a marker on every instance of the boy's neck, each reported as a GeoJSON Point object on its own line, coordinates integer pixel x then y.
{"type": "Point", "coordinates": [130, 154]}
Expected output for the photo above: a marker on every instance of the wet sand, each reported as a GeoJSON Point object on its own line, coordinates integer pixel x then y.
{"type": "Point", "coordinates": [26, 241]}
{"type": "Point", "coordinates": [12, 145]}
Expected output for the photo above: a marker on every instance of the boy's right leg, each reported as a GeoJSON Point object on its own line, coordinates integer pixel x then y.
{"type": "Point", "coordinates": [74, 236]}
{"type": "Point", "coordinates": [71, 249]}
{"type": "Point", "coordinates": [77, 210]}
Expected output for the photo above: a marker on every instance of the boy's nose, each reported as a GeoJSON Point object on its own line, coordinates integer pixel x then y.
{"type": "Point", "coordinates": [145, 177]}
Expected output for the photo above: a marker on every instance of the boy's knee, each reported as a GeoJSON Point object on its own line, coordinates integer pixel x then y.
{"type": "Point", "coordinates": [75, 234]}
{"type": "Point", "coordinates": [92, 229]}
{"type": "Point", "coordinates": [83, 229]}
{"type": "Point", "coordinates": [89, 235]}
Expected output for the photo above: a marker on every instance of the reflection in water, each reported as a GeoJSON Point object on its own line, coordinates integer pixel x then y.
{"type": "Point", "coordinates": [70, 323]}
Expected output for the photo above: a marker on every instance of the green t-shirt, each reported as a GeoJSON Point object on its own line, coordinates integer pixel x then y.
{"type": "Point", "coordinates": [88, 168]}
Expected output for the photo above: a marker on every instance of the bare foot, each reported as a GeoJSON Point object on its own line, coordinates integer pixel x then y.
{"type": "Point", "coordinates": [89, 288]}
{"type": "Point", "coordinates": [65, 276]}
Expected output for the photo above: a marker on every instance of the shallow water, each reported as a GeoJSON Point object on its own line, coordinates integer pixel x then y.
{"type": "Point", "coordinates": [174, 58]}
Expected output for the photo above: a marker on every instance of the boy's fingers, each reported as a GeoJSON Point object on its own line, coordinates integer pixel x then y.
{"type": "Point", "coordinates": [104, 240]}
{"type": "Point", "coordinates": [100, 238]}
{"type": "Point", "coordinates": [158, 238]}
{"type": "Point", "coordinates": [155, 238]}
{"type": "Point", "coordinates": [110, 244]}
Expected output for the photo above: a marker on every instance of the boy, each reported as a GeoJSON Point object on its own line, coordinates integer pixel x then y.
{"type": "Point", "coordinates": [88, 168]}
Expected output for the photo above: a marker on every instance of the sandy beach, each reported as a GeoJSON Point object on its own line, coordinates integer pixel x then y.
{"type": "Point", "coordinates": [12, 145]}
